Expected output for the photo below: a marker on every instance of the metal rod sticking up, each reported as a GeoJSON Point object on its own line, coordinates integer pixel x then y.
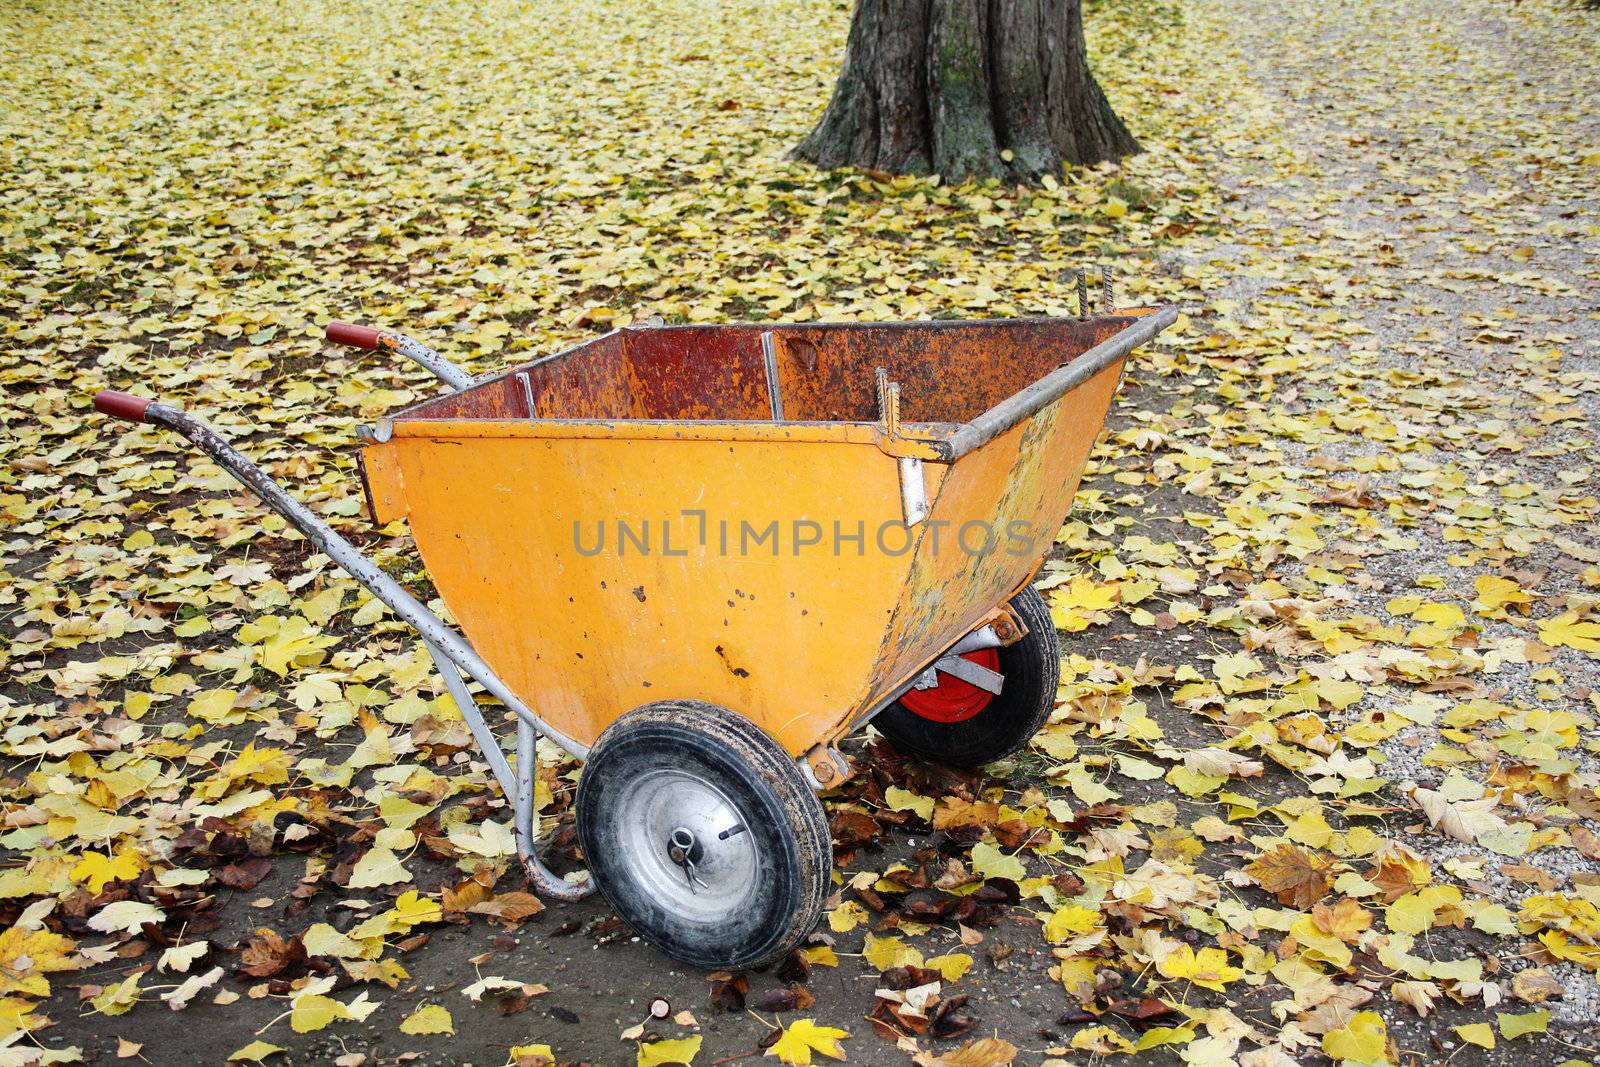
{"type": "Point", "coordinates": [527, 392]}
{"type": "Point", "coordinates": [913, 487]}
{"type": "Point", "coordinates": [888, 402]}
{"type": "Point", "coordinates": [1083, 295]}
{"type": "Point", "coordinates": [769, 360]}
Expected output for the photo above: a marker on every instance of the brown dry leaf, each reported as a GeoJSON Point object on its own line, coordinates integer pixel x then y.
{"type": "Point", "coordinates": [510, 908]}
{"type": "Point", "coordinates": [954, 812]}
{"type": "Point", "coordinates": [854, 828]}
{"type": "Point", "coordinates": [728, 990]}
{"type": "Point", "coordinates": [1346, 919]}
{"type": "Point", "coordinates": [1221, 763]}
{"type": "Point", "coordinates": [1398, 871]}
{"type": "Point", "coordinates": [465, 895]}
{"type": "Point", "coordinates": [1464, 820]}
{"type": "Point", "coordinates": [1419, 996]}
{"type": "Point", "coordinates": [1298, 877]}
{"type": "Point", "coordinates": [1536, 985]}
{"type": "Point", "coordinates": [1586, 841]}
{"type": "Point", "coordinates": [1335, 1012]}
{"type": "Point", "coordinates": [984, 1052]}
{"type": "Point", "coordinates": [267, 954]}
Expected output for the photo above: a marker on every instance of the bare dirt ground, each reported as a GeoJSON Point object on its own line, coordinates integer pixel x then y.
{"type": "Point", "coordinates": [1386, 392]}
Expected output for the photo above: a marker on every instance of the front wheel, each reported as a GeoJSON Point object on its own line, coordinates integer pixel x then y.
{"type": "Point", "coordinates": [703, 834]}
{"type": "Point", "coordinates": [962, 725]}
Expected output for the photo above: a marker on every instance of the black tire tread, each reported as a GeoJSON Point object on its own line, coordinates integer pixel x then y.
{"type": "Point", "coordinates": [799, 802]}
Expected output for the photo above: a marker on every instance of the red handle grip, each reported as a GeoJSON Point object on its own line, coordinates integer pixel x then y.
{"type": "Point", "coordinates": [352, 336]}
{"type": "Point", "coordinates": [121, 405]}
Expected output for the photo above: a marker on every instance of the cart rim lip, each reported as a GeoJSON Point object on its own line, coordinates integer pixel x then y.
{"type": "Point", "coordinates": [947, 441]}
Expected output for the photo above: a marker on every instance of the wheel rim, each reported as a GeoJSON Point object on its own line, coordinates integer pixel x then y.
{"type": "Point", "coordinates": [686, 845]}
{"type": "Point", "coordinates": [953, 699]}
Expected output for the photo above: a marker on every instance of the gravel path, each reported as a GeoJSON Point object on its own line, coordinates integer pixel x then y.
{"type": "Point", "coordinates": [1418, 223]}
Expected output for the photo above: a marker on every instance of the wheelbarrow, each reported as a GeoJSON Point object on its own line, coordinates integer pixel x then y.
{"type": "Point", "coordinates": [696, 557]}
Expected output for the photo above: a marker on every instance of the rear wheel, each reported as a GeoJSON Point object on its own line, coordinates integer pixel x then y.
{"type": "Point", "coordinates": [703, 834]}
{"type": "Point", "coordinates": [963, 725]}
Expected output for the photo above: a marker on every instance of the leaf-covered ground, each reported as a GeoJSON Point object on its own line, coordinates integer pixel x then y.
{"type": "Point", "coordinates": [1323, 780]}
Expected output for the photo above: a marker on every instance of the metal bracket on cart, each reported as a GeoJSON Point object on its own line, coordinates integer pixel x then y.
{"type": "Point", "coordinates": [909, 452]}
{"type": "Point", "coordinates": [824, 766]}
{"type": "Point", "coordinates": [1002, 627]}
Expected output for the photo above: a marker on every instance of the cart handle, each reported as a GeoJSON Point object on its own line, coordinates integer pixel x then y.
{"type": "Point", "coordinates": [450, 650]}
{"type": "Point", "coordinates": [433, 629]}
{"type": "Point", "coordinates": [124, 406]}
{"type": "Point", "coordinates": [352, 335]}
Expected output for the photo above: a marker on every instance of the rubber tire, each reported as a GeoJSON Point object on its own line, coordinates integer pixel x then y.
{"type": "Point", "coordinates": [759, 778]}
{"type": "Point", "coordinates": [1032, 669]}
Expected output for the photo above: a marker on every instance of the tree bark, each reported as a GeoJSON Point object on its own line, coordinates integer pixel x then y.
{"type": "Point", "coordinates": [967, 88]}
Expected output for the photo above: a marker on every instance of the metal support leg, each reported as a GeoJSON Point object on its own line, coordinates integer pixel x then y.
{"type": "Point", "coordinates": [545, 882]}
{"type": "Point", "coordinates": [467, 704]}
{"type": "Point", "coordinates": [517, 785]}
{"type": "Point", "coordinates": [527, 774]}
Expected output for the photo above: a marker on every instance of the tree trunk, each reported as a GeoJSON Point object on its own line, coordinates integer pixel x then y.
{"type": "Point", "coordinates": [967, 88]}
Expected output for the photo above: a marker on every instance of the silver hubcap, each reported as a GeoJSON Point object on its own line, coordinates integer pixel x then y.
{"type": "Point", "coordinates": [683, 842]}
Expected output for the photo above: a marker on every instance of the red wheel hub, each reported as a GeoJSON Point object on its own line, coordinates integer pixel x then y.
{"type": "Point", "coordinates": [953, 700]}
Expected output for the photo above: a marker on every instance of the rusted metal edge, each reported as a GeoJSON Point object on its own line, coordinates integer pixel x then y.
{"type": "Point", "coordinates": [932, 446]}
{"type": "Point", "coordinates": [1012, 410]}
{"type": "Point", "coordinates": [847, 327]}
{"type": "Point", "coordinates": [651, 326]}
{"type": "Point", "coordinates": [940, 442]}
{"type": "Point", "coordinates": [405, 413]}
